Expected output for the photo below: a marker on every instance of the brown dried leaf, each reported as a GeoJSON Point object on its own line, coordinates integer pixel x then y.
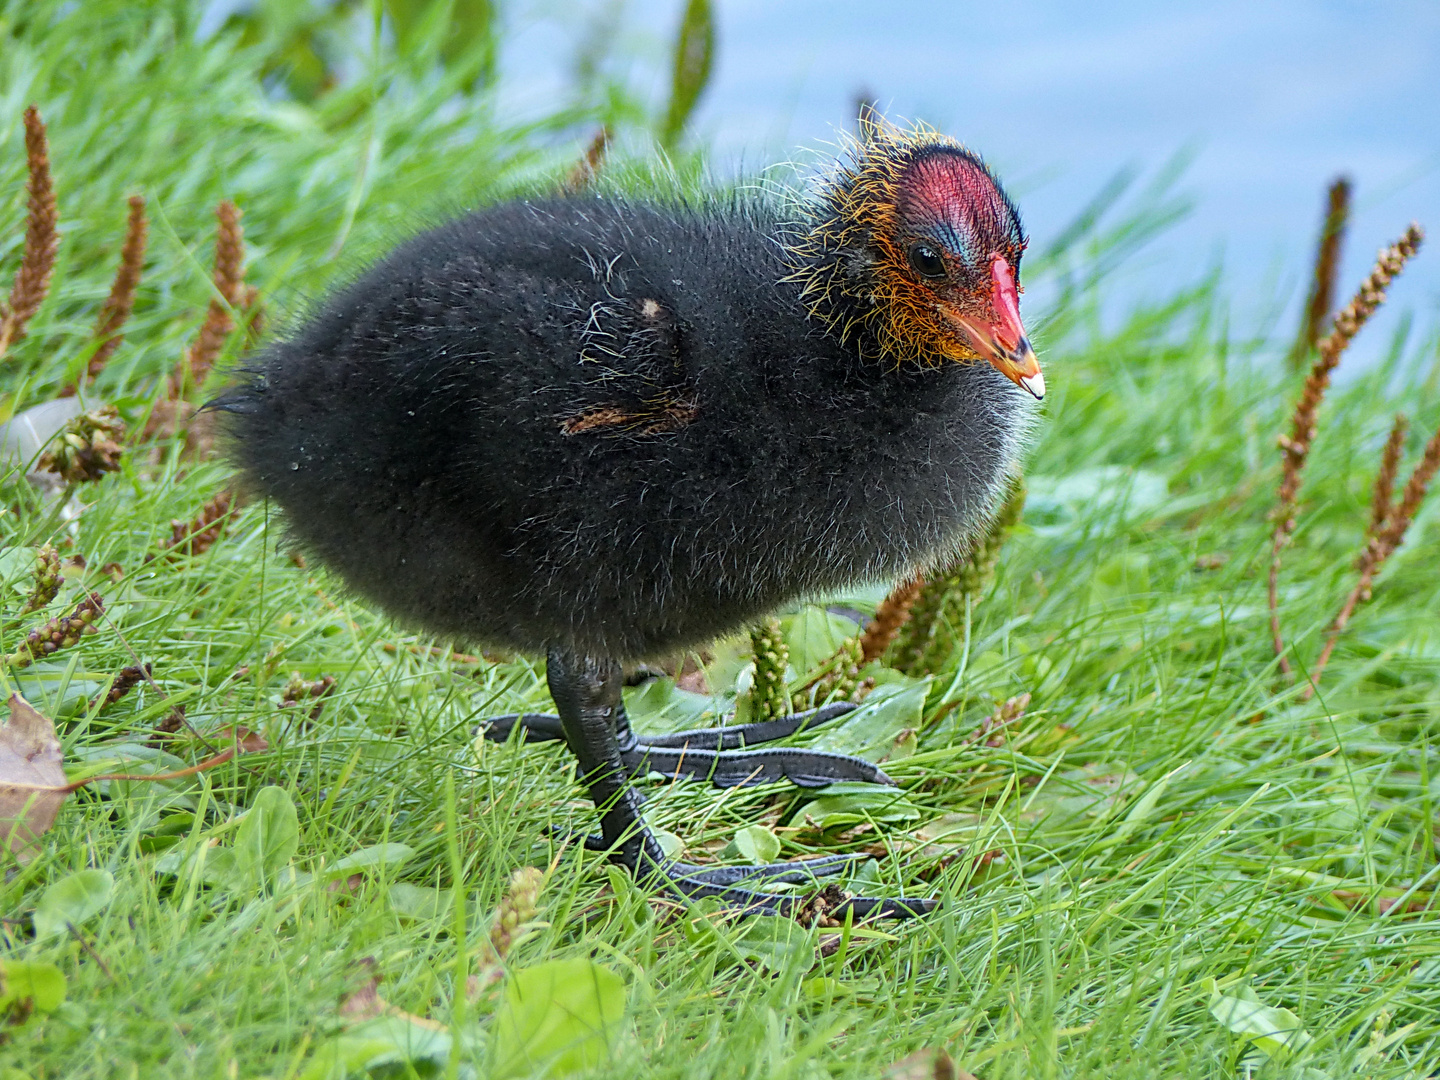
{"type": "Point", "coordinates": [250, 742]}
{"type": "Point", "coordinates": [926, 1065]}
{"type": "Point", "coordinates": [367, 1004]}
{"type": "Point", "coordinates": [32, 779]}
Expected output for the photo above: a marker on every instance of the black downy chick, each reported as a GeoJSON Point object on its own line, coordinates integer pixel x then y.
{"type": "Point", "coordinates": [609, 430]}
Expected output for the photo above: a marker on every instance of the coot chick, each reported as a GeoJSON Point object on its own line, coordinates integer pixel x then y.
{"type": "Point", "coordinates": [609, 429]}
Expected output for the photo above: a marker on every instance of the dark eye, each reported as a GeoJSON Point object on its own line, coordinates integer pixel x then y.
{"type": "Point", "coordinates": [926, 261]}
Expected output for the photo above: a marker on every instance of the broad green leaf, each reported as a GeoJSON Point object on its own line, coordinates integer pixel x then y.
{"type": "Point", "coordinates": [694, 51]}
{"type": "Point", "coordinates": [406, 1040]}
{"type": "Point", "coordinates": [852, 803]}
{"type": "Point", "coordinates": [376, 1044]}
{"type": "Point", "coordinates": [339, 1058]}
{"type": "Point", "coordinates": [1143, 809]}
{"type": "Point", "coordinates": [268, 834]}
{"type": "Point", "coordinates": [776, 943]}
{"type": "Point", "coordinates": [41, 984]}
{"type": "Point", "coordinates": [72, 900]}
{"type": "Point", "coordinates": [672, 845]}
{"type": "Point", "coordinates": [471, 21]}
{"type": "Point", "coordinates": [125, 757]}
{"type": "Point", "coordinates": [1276, 1033]}
{"type": "Point", "coordinates": [420, 902]}
{"type": "Point", "coordinates": [369, 857]}
{"type": "Point", "coordinates": [823, 988]}
{"type": "Point", "coordinates": [1120, 576]}
{"type": "Point", "coordinates": [557, 1018]}
{"type": "Point", "coordinates": [659, 707]}
{"type": "Point", "coordinates": [812, 635]}
{"type": "Point", "coordinates": [870, 731]}
{"type": "Point", "coordinates": [754, 844]}
{"type": "Point", "coordinates": [217, 866]}
{"type": "Point", "coordinates": [175, 825]}
{"type": "Point", "coordinates": [1056, 505]}
{"type": "Point", "coordinates": [1097, 791]}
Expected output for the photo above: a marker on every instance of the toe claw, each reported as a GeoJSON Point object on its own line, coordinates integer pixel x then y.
{"type": "Point", "coordinates": [534, 727]}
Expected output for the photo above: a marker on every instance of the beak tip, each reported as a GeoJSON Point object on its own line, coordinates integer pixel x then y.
{"type": "Point", "coordinates": [1035, 384]}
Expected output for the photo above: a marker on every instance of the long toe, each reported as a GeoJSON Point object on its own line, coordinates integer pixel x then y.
{"type": "Point", "coordinates": [887, 908]}
{"type": "Point", "coordinates": [535, 727]}
{"type": "Point", "coordinates": [737, 768]}
{"type": "Point", "coordinates": [791, 873]}
{"type": "Point", "coordinates": [740, 736]}
{"type": "Point", "coordinates": [829, 905]}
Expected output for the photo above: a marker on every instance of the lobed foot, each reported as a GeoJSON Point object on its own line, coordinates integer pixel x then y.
{"type": "Point", "coordinates": [716, 754]}
{"type": "Point", "coordinates": [696, 883]}
{"type": "Point", "coordinates": [593, 725]}
{"type": "Point", "coordinates": [795, 872]}
{"type": "Point", "coordinates": [743, 768]}
{"type": "Point", "coordinates": [742, 736]}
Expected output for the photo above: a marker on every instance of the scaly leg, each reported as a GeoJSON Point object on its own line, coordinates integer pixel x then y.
{"type": "Point", "coordinates": [587, 697]}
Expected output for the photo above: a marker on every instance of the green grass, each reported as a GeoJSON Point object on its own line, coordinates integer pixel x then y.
{"type": "Point", "coordinates": [1168, 811]}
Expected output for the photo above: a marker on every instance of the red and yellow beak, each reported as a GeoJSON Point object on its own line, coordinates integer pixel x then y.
{"type": "Point", "coordinates": [1002, 342]}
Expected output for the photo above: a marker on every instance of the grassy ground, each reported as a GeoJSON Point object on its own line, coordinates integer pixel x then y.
{"type": "Point", "coordinates": [1167, 837]}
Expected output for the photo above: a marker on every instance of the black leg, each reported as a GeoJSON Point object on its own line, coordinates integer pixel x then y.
{"type": "Point", "coordinates": [712, 753]}
{"type": "Point", "coordinates": [587, 697]}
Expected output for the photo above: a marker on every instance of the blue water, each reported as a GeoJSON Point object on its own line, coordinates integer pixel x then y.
{"type": "Point", "coordinates": [1273, 99]}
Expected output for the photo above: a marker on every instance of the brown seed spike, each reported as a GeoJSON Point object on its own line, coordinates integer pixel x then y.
{"type": "Point", "coordinates": [32, 280]}
{"type": "Point", "coordinates": [198, 536]}
{"type": "Point", "coordinates": [1381, 545]}
{"type": "Point", "coordinates": [1327, 267]}
{"type": "Point", "coordinates": [229, 252]}
{"type": "Point", "coordinates": [1295, 448]}
{"type": "Point", "coordinates": [890, 616]}
{"type": "Point", "coordinates": [125, 681]}
{"type": "Point", "coordinates": [121, 301]}
{"type": "Point", "coordinates": [1380, 503]}
{"type": "Point", "coordinates": [588, 167]}
{"type": "Point", "coordinates": [195, 365]}
{"type": "Point", "coordinates": [1393, 534]}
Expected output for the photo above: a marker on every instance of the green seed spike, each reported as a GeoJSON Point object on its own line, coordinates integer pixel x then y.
{"type": "Point", "coordinates": [768, 695]}
{"type": "Point", "coordinates": [840, 679]}
{"type": "Point", "coordinates": [47, 580]}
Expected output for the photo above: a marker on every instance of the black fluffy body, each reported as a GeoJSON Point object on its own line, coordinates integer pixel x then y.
{"type": "Point", "coordinates": [610, 427]}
